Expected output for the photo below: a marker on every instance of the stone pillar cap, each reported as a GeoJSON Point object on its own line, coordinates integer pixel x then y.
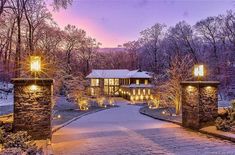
{"type": "Point", "coordinates": [200, 82]}
{"type": "Point", "coordinates": [33, 80]}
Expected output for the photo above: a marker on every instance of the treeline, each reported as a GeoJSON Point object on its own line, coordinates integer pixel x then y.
{"type": "Point", "coordinates": [210, 41]}
{"type": "Point", "coordinates": [27, 28]}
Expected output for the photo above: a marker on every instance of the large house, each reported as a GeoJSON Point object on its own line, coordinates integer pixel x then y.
{"type": "Point", "coordinates": [133, 85]}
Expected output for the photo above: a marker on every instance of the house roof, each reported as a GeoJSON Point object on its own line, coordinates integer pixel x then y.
{"type": "Point", "coordinates": [138, 86]}
{"type": "Point", "coordinates": [118, 73]}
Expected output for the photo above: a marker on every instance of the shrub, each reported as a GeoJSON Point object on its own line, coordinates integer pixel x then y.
{"type": "Point", "coordinates": [20, 142]}
{"type": "Point", "coordinates": [83, 104]}
{"type": "Point", "coordinates": [100, 101]}
{"type": "Point", "coordinates": [223, 124]}
{"type": "Point", "coordinates": [1, 135]}
{"type": "Point", "coordinates": [153, 104]}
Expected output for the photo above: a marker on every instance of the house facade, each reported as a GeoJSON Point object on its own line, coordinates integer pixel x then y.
{"type": "Point", "coordinates": [132, 85]}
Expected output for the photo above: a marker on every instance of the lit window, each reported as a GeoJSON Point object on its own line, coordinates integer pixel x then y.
{"type": "Point", "coordinates": [144, 91]}
{"type": "Point", "coordinates": [146, 82]}
{"type": "Point", "coordinates": [92, 91]}
{"type": "Point", "coordinates": [137, 81]}
{"type": "Point", "coordinates": [149, 92]}
{"type": "Point", "coordinates": [94, 82]}
{"type": "Point", "coordinates": [116, 82]}
{"type": "Point", "coordinates": [111, 81]}
{"type": "Point", "coordinates": [133, 91]}
{"type": "Point", "coordinates": [106, 82]}
{"type": "Point", "coordinates": [138, 91]}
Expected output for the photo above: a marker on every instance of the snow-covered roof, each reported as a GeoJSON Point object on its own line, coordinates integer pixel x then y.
{"type": "Point", "coordinates": [118, 73]}
{"type": "Point", "coordinates": [138, 74]}
{"type": "Point", "coordinates": [138, 86]}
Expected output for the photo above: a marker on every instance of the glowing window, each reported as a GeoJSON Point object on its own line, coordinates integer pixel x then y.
{"type": "Point", "coordinates": [149, 92]}
{"type": "Point", "coordinates": [106, 82]}
{"type": "Point", "coordinates": [146, 82]}
{"type": "Point", "coordinates": [138, 91]}
{"type": "Point", "coordinates": [133, 91]}
{"type": "Point", "coordinates": [116, 82]}
{"type": "Point", "coordinates": [144, 91]}
{"type": "Point", "coordinates": [94, 82]}
{"type": "Point", "coordinates": [137, 81]}
{"type": "Point", "coordinates": [92, 91]}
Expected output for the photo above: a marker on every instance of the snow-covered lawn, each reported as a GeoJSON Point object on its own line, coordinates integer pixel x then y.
{"type": "Point", "coordinates": [6, 100]}
{"type": "Point", "coordinates": [6, 97]}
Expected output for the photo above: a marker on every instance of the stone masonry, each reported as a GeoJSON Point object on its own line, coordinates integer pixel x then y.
{"type": "Point", "coordinates": [33, 107]}
{"type": "Point", "coordinates": [199, 103]}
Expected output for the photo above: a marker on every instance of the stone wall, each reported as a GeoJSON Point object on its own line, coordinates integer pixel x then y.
{"type": "Point", "coordinates": [33, 107]}
{"type": "Point", "coordinates": [199, 103]}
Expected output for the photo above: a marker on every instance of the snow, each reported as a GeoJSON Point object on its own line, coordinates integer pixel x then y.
{"type": "Point", "coordinates": [124, 130]}
{"type": "Point", "coordinates": [6, 97]}
{"type": "Point", "coordinates": [6, 100]}
{"type": "Point", "coordinates": [138, 86]}
{"type": "Point", "coordinates": [223, 103]}
{"type": "Point", "coordinates": [138, 74]}
{"type": "Point", "coordinates": [118, 73]}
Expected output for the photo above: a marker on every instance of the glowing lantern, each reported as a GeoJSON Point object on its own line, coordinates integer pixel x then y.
{"type": "Point", "coordinates": [198, 70]}
{"type": "Point", "coordinates": [35, 63]}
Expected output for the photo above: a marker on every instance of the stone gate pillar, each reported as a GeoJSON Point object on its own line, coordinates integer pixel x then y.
{"type": "Point", "coordinates": [33, 107]}
{"type": "Point", "coordinates": [199, 103]}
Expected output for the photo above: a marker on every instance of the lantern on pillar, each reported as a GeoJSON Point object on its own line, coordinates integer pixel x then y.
{"type": "Point", "coordinates": [35, 63]}
{"type": "Point", "coordinates": [199, 71]}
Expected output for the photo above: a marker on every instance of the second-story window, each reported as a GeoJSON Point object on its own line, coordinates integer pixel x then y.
{"type": "Point", "coordinates": [146, 82]}
{"type": "Point", "coordinates": [137, 81]}
{"type": "Point", "coordinates": [94, 82]}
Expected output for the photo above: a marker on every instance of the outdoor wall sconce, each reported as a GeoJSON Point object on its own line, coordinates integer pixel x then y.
{"type": "Point", "coordinates": [33, 87]}
{"type": "Point", "coordinates": [35, 63]}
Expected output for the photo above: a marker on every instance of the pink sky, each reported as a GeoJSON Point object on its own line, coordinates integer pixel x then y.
{"type": "Point", "coordinates": [114, 22]}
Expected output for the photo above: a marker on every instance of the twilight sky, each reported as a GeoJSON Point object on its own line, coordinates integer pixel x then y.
{"type": "Point", "coordinates": [114, 22]}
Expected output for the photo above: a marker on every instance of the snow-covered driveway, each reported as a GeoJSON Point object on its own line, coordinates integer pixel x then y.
{"type": "Point", "coordinates": [124, 131]}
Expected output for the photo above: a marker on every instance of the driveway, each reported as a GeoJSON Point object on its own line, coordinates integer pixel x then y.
{"type": "Point", "coordinates": [124, 130]}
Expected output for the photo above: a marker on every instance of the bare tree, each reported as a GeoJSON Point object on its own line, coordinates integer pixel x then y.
{"type": "Point", "coordinates": [150, 40]}
{"type": "Point", "coordinates": [2, 6]}
{"type": "Point", "coordinates": [182, 39]}
{"type": "Point", "coordinates": [36, 14]}
{"type": "Point", "coordinates": [61, 4]}
{"type": "Point", "coordinates": [170, 90]}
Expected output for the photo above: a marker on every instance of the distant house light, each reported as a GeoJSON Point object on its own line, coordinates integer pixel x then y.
{"type": "Point", "coordinates": [146, 82]}
{"type": "Point", "coordinates": [138, 82]}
